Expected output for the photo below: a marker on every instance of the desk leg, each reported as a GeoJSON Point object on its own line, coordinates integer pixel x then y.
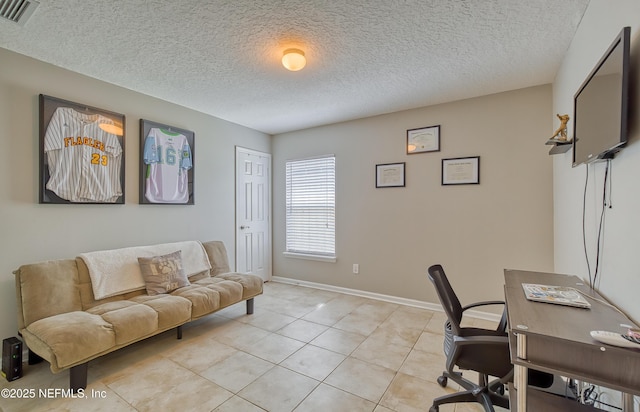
{"type": "Point", "coordinates": [520, 378]}
{"type": "Point", "coordinates": [520, 373]}
{"type": "Point", "coordinates": [627, 402]}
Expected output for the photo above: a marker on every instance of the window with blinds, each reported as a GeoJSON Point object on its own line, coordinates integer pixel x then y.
{"type": "Point", "coordinates": [311, 207]}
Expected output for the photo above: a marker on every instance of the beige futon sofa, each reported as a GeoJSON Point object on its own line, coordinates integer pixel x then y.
{"type": "Point", "coordinates": [65, 318]}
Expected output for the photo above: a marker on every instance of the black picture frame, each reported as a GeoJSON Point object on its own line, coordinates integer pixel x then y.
{"type": "Point", "coordinates": [461, 171]}
{"type": "Point", "coordinates": [183, 191]}
{"type": "Point", "coordinates": [423, 140]}
{"type": "Point", "coordinates": [390, 175]}
{"type": "Point", "coordinates": [81, 153]}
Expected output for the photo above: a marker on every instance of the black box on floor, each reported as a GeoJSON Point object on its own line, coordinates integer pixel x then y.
{"type": "Point", "coordinates": [11, 358]}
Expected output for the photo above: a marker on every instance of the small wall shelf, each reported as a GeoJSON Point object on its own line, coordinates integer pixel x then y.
{"type": "Point", "coordinates": [559, 147]}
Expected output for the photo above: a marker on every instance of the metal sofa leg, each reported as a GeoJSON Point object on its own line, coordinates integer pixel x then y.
{"type": "Point", "coordinates": [34, 358]}
{"type": "Point", "coordinates": [179, 329]}
{"type": "Point", "coordinates": [249, 306]}
{"type": "Point", "coordinates": [78, 377]}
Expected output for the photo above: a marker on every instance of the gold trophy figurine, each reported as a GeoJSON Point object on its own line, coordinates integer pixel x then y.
{"type": "Point", "coordinates": [560, 135]}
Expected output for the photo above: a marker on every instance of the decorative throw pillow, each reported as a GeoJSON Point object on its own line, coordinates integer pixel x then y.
{"type": "Point", "coordinates": [163, 274]}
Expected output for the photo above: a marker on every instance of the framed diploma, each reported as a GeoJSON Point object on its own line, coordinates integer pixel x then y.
{"type": "Point", "coordinates": [424, 139]}
{"type": "Point", "coordinates": [390, 175]}
{"type": "Point", "coordinates": [461, 171]}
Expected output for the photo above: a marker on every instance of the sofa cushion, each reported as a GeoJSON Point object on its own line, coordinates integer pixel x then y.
{"type": "Point", "coordinates": [230, 292]}
{"type": "Point", "coordinates": [203, 299]}
{"type": "Point", "coordinates": [130, 320]}
{"type": "Point", "coordinates": [132, 323]}
{"type": "Point", "coordinates": [74, 336]}
{"type": "Point", "coordinates": [163, 274]}
{"type": "Point", "coordinates": [198, 276]}
{"type": "Point", "coordinates": [172, 310]}
{"type": "Point", "coordinates": [251, 284]}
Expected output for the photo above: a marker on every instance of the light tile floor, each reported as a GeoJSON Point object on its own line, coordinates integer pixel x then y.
{"type": "Point", "coordinates": [302, 350]}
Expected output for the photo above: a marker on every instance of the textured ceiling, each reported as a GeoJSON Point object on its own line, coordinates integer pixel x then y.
{"type": "Point", "coordinates": [364, 57]}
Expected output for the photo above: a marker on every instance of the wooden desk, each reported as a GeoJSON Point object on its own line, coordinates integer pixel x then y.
{"type": "Point", "coordinates": [556, 339]}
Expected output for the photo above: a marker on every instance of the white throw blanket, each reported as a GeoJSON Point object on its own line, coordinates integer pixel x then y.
{"type": "Point", "coordinates": [117, 271]}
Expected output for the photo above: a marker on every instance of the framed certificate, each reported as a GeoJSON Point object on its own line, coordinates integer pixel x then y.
{"type": "Point", "coordinates": [461, 171]}
{"type": "Point", "coordinates": [390, 175]}
{"type": "Point", "coordinates": [424, 139]}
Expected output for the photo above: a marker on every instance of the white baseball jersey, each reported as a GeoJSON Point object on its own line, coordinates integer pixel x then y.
{"type": "Point", "coordinates": [168, 158]}
{"type": "Point", "coordinates": [84, 160]}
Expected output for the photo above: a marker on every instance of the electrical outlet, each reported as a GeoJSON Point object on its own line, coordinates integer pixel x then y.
{"type": "Point", "coordinates": [356, 268]}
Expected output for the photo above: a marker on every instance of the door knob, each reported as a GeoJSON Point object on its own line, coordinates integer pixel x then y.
{"type": "Point", "coordinates": [244, 227]}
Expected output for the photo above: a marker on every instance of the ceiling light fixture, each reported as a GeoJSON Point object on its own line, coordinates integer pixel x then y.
{"type": "Point", "coordinates": [293, 59]}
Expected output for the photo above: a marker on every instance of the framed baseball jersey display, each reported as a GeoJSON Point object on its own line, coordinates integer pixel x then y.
{"type": "Point", "coordinates": [166, 164]}
{"type": "Point", "coordinates": [81, 153]}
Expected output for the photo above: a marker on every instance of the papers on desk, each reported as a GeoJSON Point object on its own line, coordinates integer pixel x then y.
{"type": "Point", "coordinates": [559, 295]}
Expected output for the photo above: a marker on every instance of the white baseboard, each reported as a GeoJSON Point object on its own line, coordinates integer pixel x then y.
{"type": "Point", "coordinates": [386, 298]}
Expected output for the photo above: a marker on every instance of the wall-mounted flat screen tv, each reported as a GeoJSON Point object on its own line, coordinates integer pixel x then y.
{"type": "Point", "coordinates": [601, 105]}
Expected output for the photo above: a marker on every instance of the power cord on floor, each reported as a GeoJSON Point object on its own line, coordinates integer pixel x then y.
{"type": "Point", "coordinates": [590, 397]}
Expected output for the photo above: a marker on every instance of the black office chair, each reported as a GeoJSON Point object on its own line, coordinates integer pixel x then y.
{"type": "Point", "coordinates": [484, 351]}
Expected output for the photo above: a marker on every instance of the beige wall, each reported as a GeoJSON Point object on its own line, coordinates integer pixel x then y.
{"type": "Point", "coordinates": [620, 273]}
{"type": "Point", "coordinates": [619, 278]}
{"type": "Point", "coordinates": [33, 232]}
{"type": "Point", "coordinates": [394, 234]}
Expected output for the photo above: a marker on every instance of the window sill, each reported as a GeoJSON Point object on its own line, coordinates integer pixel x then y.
{"type": "Point", "coordinates": [319, 258]}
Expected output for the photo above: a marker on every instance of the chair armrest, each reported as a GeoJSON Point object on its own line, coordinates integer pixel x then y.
{"type": "Point", "coordinates": [480, 340]}
{"type": "Point", "coordinates": [502, 325]}
{"type": "Point", "coordinates": [485, 303]}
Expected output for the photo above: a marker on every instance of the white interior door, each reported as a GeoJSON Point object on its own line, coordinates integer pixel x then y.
{"type": "Point", "coordinates": [253, 212]}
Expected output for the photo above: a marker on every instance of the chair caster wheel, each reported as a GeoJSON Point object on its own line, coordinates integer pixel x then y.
{"type": "Point", "coordinates": [434, 409]}
{"type": "Point", "coordinates": [442, 381]}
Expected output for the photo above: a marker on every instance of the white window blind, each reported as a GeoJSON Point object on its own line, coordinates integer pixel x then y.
{"type": "Point", "coordinates": [311, 204]}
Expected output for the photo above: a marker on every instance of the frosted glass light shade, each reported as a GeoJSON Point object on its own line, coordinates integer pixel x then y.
{"type": "Point", "coordinates": [293, 59]}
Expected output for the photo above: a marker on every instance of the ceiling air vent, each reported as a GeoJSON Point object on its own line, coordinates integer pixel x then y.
{"type": "Point", "coordinates": [18, 11]}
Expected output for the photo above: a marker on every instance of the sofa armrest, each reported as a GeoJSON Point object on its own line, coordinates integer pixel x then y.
{"type": "Point", "coordinates": [217, 253]}
{"type": "Point", "coordinates": [46, 289]}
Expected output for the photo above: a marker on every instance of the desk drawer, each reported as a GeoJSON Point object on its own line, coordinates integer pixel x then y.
{"type": "Point", "coordinates": [599, 364]}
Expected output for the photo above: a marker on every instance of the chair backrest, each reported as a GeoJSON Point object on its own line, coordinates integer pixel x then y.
{"type": "Point", "coordinates": [447, 296]}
